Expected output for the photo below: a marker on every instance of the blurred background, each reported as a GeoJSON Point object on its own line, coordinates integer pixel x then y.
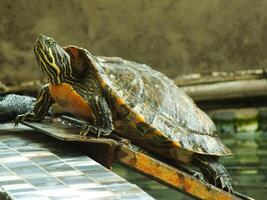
{"type": "Point", "coordinates": [176, 37]}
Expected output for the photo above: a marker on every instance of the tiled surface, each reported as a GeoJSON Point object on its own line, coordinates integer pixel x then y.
{"type": "Point", "coordinates": [35, 166]}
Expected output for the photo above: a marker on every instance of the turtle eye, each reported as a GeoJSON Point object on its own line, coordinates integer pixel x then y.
{"type": "Point", "coordinates": [50, 42]}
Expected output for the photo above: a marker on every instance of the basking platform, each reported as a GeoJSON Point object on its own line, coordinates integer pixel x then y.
{"type": "Point", "coordinates": [107, 150]}
{"type": "Point", "coordinates": [45, 163]}
{"type": "Point", "coordinates": [36, 166]}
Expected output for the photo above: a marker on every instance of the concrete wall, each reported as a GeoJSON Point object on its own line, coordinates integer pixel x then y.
{"type": "Point", "coordinates": [173, 36]}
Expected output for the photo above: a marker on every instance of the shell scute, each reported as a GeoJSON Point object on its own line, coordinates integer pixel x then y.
{"type": "Point", "coordinates": [158, 108]}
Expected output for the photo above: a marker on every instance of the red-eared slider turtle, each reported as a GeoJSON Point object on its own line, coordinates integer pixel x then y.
{"type": "Point", "coordinates": [132, 100]}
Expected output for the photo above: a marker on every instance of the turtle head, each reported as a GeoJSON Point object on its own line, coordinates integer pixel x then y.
{"type": "Point", "coordinates": [53, 59]}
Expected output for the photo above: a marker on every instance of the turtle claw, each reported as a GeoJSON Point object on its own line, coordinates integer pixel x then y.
{"type": "Point", "coordinates": [86, 128]}
{"type": "Point", "coordinates": [224, 182]}
{"type": "Point", "coordinates": [19, 119]}
{"type": "Point", "coordinates": [104, 132]}
{"type": "Point", "coordinates": [26, 117]}
{"type": "Point", "coordinates": [199, 176]}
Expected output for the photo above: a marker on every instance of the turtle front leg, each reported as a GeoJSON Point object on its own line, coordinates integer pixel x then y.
{"type": "Point", "coordinates": [102, 122]}
{"type": "Point", "coordinates": [214, 172]}
{"type": "Point", "coordinates": [40, 109]}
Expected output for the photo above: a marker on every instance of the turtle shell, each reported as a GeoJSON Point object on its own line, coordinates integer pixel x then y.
{"type": "Point", "coordinates": [163, 114]}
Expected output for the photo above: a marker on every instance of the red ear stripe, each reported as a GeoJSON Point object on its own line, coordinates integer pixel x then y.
{"type": "Point", "coordinates": [72, 51]}
{"type": "Point", "coordinates": [78, 57]}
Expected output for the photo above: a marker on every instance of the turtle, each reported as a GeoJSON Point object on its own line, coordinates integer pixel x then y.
{"type": "Point", "coordinates": [118, 96]}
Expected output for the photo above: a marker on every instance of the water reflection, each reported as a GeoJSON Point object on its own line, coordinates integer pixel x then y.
{"type": "Point", "coordinates": [248, 167]}
{"type": "Point", "coordinates": [155, 189]}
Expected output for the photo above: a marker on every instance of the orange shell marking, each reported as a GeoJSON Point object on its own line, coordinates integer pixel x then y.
{"type": "Point", "coordinates": [70, 101]}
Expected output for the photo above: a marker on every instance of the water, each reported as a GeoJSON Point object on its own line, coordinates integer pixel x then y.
{"type": "Point", "coordinates": [248, 168]}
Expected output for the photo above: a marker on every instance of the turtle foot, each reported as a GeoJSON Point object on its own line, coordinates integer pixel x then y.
{"type": "Point", "coordinates": [214, 172]}
{"type": "Point", "coordinates": [26, 117]}
{"type": "Point", "coordinates": [199, 176]}
{"type": "Point", "coordinates": [20, 118]}
{"type": "Point", "coordinates": [223, 181]}
{"type": "Point", "coordinates": [88, 128]}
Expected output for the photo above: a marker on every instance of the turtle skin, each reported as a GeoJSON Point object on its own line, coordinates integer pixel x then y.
{"type": "Point", "coordinates": [131, 100]}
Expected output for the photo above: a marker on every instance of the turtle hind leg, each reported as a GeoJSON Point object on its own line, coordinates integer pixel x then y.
{"type": "Point", "coordinates": [214, 172]}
